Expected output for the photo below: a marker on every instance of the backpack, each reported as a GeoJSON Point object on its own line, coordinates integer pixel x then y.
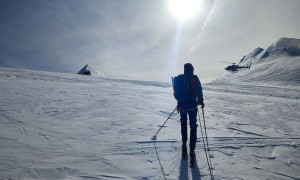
{"type": "Point", "coordinates": [185, 88]}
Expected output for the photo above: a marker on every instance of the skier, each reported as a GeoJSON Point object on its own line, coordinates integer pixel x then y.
{"type": "Point", "coordinates": [188, 93]}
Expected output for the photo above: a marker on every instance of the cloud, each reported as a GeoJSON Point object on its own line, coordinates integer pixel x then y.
{"type": "Point", "coordinates": [136, 39]}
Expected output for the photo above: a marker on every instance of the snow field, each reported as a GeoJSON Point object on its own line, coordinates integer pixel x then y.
{"type": "Point", "coordinates": [264, 132]}
{"type": "Point", "coordinates": [64, 126]}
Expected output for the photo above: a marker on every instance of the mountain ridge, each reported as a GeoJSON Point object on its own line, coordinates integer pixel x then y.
{"type": "Point", "coordinates": [278, 64]}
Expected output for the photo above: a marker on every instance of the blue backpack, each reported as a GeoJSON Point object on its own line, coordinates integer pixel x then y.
{"type": "Point", "coordinates": [185, 88]}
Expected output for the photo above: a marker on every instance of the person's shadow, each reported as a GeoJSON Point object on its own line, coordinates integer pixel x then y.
{"type": "Point", "coordinates": [195, 171]}
{"type": "Point", "coordinates": [184, 168]}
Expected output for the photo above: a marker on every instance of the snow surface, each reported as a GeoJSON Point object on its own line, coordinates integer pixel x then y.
{"type": "Point", "coordinates": [65, 126]}
{"type": "Point", "coordinates": [68, 126]}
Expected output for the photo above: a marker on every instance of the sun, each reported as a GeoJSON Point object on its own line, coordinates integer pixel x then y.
{"type": "Point", "coordinates": [184, 9]}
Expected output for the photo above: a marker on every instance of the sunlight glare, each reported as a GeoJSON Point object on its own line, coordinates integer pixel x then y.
{"type": "Point", "coordinates": [184, 9]}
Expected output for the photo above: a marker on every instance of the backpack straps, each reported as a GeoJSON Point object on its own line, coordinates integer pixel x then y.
{"type": "Point", "coordinates": [199, 89]}
{"type": "Point", "coordinates": [193, 87]}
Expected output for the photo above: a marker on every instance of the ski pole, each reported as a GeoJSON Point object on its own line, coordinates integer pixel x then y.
{"type": "Point", "coordinates": [205, 149]}
{"type": "Point", "coordinates": [207, 142]}
{"type": "Point", "coordinates": [205, 129]}
{"type": "Point", "coordinates": [154, 137]}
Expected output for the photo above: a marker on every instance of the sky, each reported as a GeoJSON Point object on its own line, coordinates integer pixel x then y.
{"type": "Point", "coordinates": [139, 39]}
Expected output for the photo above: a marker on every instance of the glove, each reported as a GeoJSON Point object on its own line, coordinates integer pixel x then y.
{"type": "Point", "coordinates": [178, 108]}
{"type": "Point", "coordinates": [202, 104]}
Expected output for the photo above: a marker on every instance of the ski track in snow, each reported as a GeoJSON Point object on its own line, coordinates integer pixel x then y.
{"type": "Point", "coordinates": [56, 126]}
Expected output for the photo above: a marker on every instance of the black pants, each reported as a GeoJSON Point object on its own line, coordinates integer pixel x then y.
{"type": "Point", "coordinates": [193, 126]}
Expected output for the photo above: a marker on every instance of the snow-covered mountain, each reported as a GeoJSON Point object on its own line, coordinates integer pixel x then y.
{"type": "Point", "coordinates": [249, 58]}
{"type": "Point", "coordinates": [88, 70]}
{"type": "Point", "coordinates": [66, 126]}
{"type": "Point", "coordinates": [284, 46]}
{"type": "Point", "coordinates": [278, 64]}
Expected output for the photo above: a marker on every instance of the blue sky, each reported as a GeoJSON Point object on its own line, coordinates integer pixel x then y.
{"type": "Point", "coordinates": [139, 39]}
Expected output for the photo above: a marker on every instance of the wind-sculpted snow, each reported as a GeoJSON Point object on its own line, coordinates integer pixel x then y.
{"type": "Point", "coordinates": [287, 46]}
{"type": "Point", "coordinates": [66, 126]}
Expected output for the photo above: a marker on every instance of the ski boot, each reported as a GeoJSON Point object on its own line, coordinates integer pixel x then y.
{"type": "Point", "coordinates": [192, 158]}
